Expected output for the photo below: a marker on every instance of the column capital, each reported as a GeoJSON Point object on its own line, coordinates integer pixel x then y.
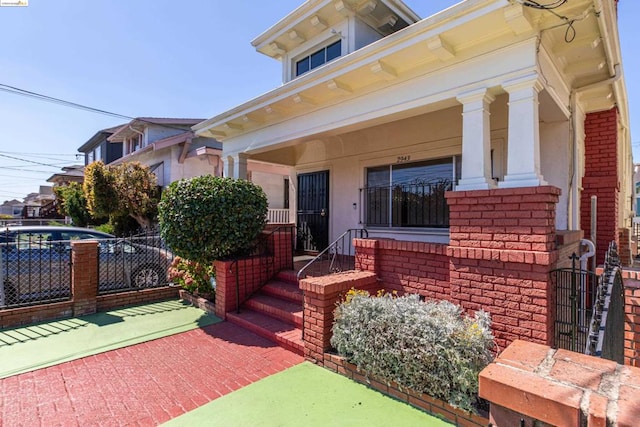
{"type": "Point", "coordinates": [475, 95]}
{"type": "Point", "coordinates": [529, 81]}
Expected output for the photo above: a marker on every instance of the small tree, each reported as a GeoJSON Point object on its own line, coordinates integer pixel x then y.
{"type": "Point", "coordinates": [72, 203]}
{"type": "Point", "coordinates": [207, 218]}
{"type": "Point", "coordinates": [126, 189]}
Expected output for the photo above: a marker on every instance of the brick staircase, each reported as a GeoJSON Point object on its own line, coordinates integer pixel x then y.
{"type": "Point", "coordinates": [275, 312]}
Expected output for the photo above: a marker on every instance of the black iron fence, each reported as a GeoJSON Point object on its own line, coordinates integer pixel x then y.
{"type": "Point", "coordinates": [136, 262]}
{"type": "Point", "coordinates": [606, 330]}
{"type": "Point", "coordinates": [33, 271]}
{"type": "Point", "coordinates": [338, 256]}
{"type": "Point", "coordinates": [575, 293]}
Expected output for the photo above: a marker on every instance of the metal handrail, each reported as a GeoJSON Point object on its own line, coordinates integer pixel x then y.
{"type": "Point", "coordinates": [363, 234]}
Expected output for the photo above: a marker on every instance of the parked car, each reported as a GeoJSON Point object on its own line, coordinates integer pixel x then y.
{"type": "Point", "coordinates": [36, 263]}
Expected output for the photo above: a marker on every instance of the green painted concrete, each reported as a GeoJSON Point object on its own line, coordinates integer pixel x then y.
{"type": "Point", "coordinates": [306, 395]}
{"type": "Point", "coordinates": [37, 346]}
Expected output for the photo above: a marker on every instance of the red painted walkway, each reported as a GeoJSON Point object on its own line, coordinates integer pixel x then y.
{"type": "Point", "coordinates": [145, 384]}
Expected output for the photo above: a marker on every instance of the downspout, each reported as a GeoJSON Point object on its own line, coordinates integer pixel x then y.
{"type": "Point", "coordinates": [139, 133]}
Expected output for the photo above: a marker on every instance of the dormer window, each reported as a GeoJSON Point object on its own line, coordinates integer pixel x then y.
{"type": "Point", "coordinates": [319, 57]}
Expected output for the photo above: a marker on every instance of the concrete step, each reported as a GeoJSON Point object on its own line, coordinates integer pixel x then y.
{"type": "Point", "coordinates": [284, 334]}
{"type": "Point", "coordinates": [284, 290]}
{"type": "Point", "coordinates": [287, 311]}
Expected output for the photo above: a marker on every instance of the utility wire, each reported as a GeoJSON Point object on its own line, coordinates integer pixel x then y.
{"type": "Point", "coordinates": [23, 92]}
{"type": "Point", "coordinates": [30, 161]}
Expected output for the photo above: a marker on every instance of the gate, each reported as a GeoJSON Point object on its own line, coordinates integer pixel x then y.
{"type": "Point", "coordinates": [575, 296]}
{"type": "Point", "coordinates": [313, 212]}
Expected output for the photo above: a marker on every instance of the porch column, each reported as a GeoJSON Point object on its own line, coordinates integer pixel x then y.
{"type": "Point", "coordinates": [523, 160]}
{"type": "Point", "coordinates": [236, 166]}
{"type": "Point", "coordinates": [476, 141]}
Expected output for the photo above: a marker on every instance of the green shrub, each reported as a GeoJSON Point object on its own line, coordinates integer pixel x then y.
{"type": "Point", "coordinates": [430, 347]}
{"type": "Point", "coordinates": [207, 218]}
{"type": "Point", "coordinates": [193, 276]}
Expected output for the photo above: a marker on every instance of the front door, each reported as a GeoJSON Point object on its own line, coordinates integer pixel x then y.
{"type": "Point", "coordinates": [313, 212]}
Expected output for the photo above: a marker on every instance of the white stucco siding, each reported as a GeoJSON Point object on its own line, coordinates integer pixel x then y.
{"type": "Point", "coordinates": [364, 34]}
{"type": "Point", "coordinates": [155, 132]}
{"type": "Point", "coordinates": [191, 167]}
{"type": "Point", "coordinates": [273, 186]}
{"type": "Point", "coordinates": [555, 154]}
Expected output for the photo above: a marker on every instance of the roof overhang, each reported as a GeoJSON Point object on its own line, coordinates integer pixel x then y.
{"type": "Point", "coordinates": [314, 16]}
{"type": "Point", "coordinates": [450, 38]}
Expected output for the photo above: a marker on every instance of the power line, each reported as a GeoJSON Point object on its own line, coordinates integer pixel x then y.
{"type": "Point", "coordinates": [29, 161]}
{"type": "Point", "coordinates": [39, 96]}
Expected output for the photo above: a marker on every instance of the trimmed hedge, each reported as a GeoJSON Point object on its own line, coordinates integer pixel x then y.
{"type": "Point", "coordinates": [207, 218]}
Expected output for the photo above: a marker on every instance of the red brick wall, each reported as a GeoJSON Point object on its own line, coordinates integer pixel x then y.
{"type": "Point", "coordinates": [502, 248]}
{"type": "Point", "coordinates": [601, 178]}
{"type": "Point", "coordinates": [407, 267]}
{"type": "Point", "coordinates": [84, 290]}
{"type": "Point", "coordinates": [532, 382]}
{"type": "Point", "coordinates": [321, 294]}
{"type": "Point", "coordinates": [632, 325]}
{"type": "Point", "coordinates": [252, 272]}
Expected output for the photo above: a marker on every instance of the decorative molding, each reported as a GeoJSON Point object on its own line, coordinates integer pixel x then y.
{"type": "Point", "coordinates": [518, 19]}
{"type": "Point", "coordinates": [233, 126]}
{"type": "Point", "coordinates": [440, 48]}
{"type": "Point", "coordinates": [339, 87]}
{"type": "Point", "coordinates": [296, 36]}
{"type": "Point", "coordinates": [384, 70]}
{"type": "Point", "coordinates": [367, 7]}
{"type": "Point", "coordinates": [318, 23]}
{"type": "Point", "coordinates": [277, 49]}
{"type": "Point", "coordinates": [303, 100]}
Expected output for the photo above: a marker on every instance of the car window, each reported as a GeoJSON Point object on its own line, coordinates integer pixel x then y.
{"type": "Point", "coordinates": [34, 240]}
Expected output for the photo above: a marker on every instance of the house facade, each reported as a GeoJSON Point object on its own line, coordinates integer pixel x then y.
{"type": "Point", "coordinates": [470, 144]}
{"type": "Point", "coordinates": [168, 147]}
{"type": "Point", "coordinates": [98, 148]}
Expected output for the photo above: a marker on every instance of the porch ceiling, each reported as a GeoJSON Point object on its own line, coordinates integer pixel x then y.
{"type": "Point", "coordinates": [454, 36]}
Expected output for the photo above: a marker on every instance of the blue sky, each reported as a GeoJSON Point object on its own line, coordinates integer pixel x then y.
{"type": "Point", "coordinates": [164, 58]}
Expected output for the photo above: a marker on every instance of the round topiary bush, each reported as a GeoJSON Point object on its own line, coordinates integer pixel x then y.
{"type": "Point", "coordinates": [207, 218]}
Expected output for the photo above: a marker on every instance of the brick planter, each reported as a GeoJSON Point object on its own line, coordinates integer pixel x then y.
{"type": "Point", "coordinates": [421, 401]}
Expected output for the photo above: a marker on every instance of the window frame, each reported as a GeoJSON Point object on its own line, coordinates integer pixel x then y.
{"type": "Point", "coordinates": [316, 50]}
{"type": "Point", "coordinates": [391, 223]}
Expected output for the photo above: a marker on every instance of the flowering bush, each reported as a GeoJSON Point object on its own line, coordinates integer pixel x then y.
{"type": "Point", "coordinates": [193, 276]}
{"type": "Point", "coordinates": [430, 347]}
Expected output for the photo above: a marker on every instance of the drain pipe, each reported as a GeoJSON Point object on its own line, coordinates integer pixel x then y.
{"type": "Point", "coordinates": [587, 250]}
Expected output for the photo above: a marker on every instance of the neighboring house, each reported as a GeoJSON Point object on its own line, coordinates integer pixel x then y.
{"type": "Point", "coordinates": [12, 207]}
{"type": "Point", "coordinates": [169, 147]}
{"type": "Point", "coordinates": [74, 173]}
{"type": "Point", "coordinates": [382, 113]}
{"type": "Point", "coordinates": [40, 204]}
{"type": "Point", "coordinates": [98, 148]}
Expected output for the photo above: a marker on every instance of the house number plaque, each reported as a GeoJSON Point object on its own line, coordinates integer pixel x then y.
{"type": "Point", "coordinates": [403, 159]}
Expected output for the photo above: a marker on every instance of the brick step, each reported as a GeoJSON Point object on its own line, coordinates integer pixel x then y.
{"type": "Point", "coordinates": [284, 290]}
{"type": "Point", "coordinates": [282, 333]}
{"type": "Point", "coordinates": [287, 311]}
{"type": "Point", "coordinates": [288, 276]}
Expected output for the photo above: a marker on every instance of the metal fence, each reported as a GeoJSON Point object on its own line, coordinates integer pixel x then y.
{"type": "Point", "coordinates": [34, 271]}
{"type": "Point", "coordinates": [140, 261]}
{"type": "Point", "coordinates": [575, 293]}
{"type": "Point", "coordinates": [338, 256]}
{"type": "Point", "coordinates": [606, 331]}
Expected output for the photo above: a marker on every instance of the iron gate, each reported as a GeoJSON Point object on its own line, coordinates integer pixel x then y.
{"type": "Point", "coordinates": [575, 296]}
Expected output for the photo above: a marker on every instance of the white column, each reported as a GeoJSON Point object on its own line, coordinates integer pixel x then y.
{"type": "Point", "coordinates": [476, 141]}
{"type": "Point", "coordinates": [236, 166]}
{"type": "Point", "coordinates": [523, 159]}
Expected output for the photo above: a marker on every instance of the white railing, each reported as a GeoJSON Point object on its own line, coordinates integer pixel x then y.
{"type": "Point", "coordinates": [278, 216]}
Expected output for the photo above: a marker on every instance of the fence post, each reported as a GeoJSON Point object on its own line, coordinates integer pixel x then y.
{"type": "Point", "coordinates": [84, 276]}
